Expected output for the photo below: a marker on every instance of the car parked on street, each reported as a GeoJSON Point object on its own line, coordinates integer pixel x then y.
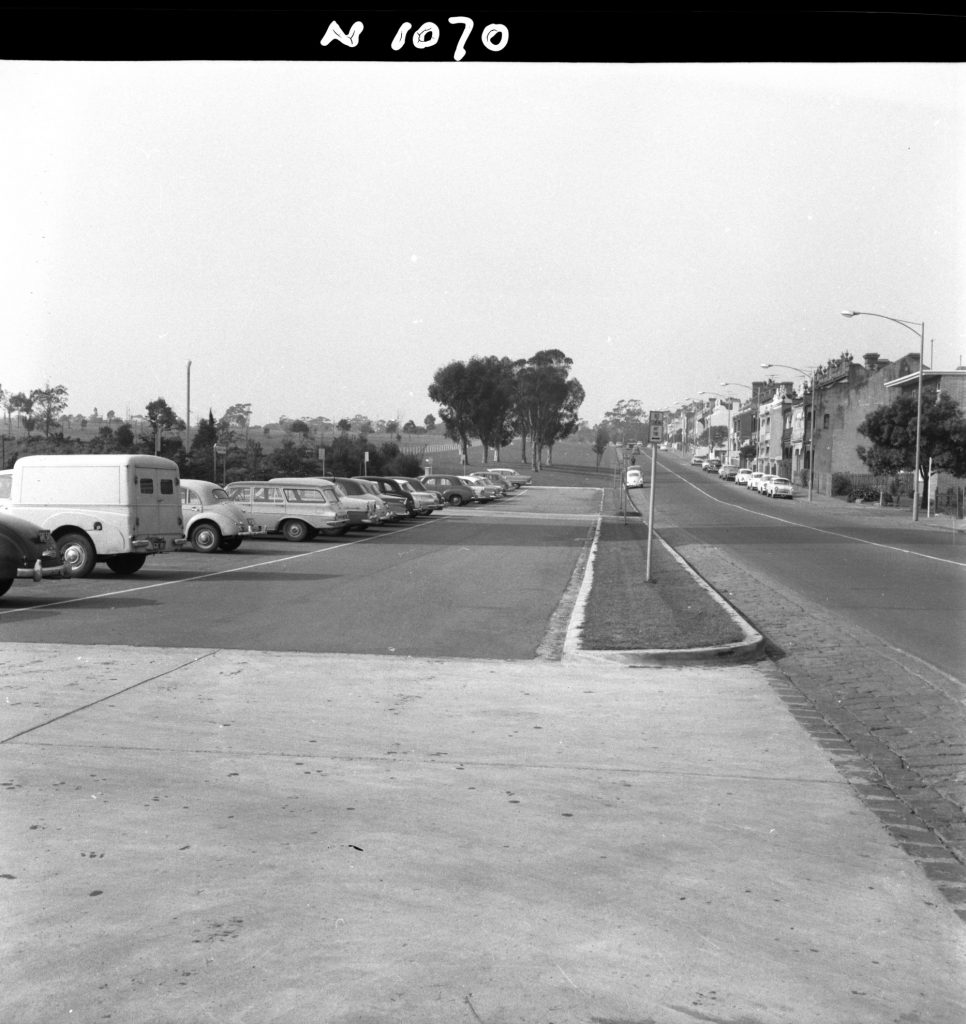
{"type": "Point", "coordinates": [728, 472]}
{"type": "Point", "coordinates": [27, 552]}
{"type": "Point", "coordinates": [743, 476]}
{"type": "Point", "coordinates": [298, 511]}
{"type": "Point", "coordinates": [633, 477]}
{"type": "Point", "coordinates": [697, 460]}
{"type": "Point", "coordinates": [762, 482]}
{"type": "Point", "coordinates": [454, 489]}
{"type": "Point", "coordinates": [755, 479]}
{"type": "Point", "coordinates": [212, 521]}
{"type": "Point", "coordinates": [711, 465]}
{"type": "Point", "coordinates": [779, 487]}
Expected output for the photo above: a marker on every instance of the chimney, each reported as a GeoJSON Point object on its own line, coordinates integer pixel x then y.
{"type": "Point", "coordinates": [871, 360]}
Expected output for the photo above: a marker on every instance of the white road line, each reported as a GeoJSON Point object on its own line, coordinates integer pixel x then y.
{"type": "Point", "coordinates": [194, 579]}
{"type": "Point", "coordinates": [816, 529]}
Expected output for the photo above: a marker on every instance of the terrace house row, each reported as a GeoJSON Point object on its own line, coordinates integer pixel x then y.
{"type": "Point", "coordinates": [771, 428]}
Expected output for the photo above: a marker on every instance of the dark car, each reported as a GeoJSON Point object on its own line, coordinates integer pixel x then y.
{"type": "Point", "coordinates": [453, 488]}
{"type": "Point", "coordinates": [26, 552]}
{"type": "Point", "coordinates": [390, 485]}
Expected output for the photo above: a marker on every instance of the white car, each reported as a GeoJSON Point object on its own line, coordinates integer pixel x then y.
{"type": "Point", "coordinates": [744, 475]}
{"type": "Point", "coordinates": [212, 521]}
{"type": "Point", "coordinates": [515, 478]}
{"type": "Point", "coordinates": [634, 477]}
{"type": "Point", "coordinates": [754, 480]}
{"type": "Point", "coordinates": [779, 487]}
{"type": "Point", "coordinates": [762, 482]}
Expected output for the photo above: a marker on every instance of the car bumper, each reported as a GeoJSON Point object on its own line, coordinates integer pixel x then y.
{"type": "Point", "coordinates": [43, 569]}
{"type": "Point", "coordinates": [156, 545]}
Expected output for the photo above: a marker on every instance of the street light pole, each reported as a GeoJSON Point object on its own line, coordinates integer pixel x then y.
{"type": "Point", "coordinates": [811, 432]}
{"type": "Point", "coordinates": [917, 327]}
{"type": "Point", "coordinates": [187, 419]}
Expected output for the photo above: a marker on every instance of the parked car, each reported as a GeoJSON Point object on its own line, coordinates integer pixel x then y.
{"type": "Point", "coordinates": [711, 465]}
{"type": "Point", "coordinates": [493, 480]}
{"type": "Point", "coordinates": [743, 476]}
{"type": "Point", "coordinates": [754, 480]}
{"type": "Point", "coordinates": [482, 492]}
{"type": "Point", "coordinates": [390, 485]}
{"type": "Point", "coordinates": [27, 552]}
{"type": "Point", "coordinates": [396, 504]}
{"type": "Point", "coordinates": [634, 477]}
{"type": "Point", "coordinates": [298, 511]}
{"type": "Point", "coordinates": [515, 478]}
{"type": "Point", "coordinates": [427, 501]}
{"type": "Point", "coordinates": [728, 472]}
{"type": "Point", "coordinates": [779, 487]}
{"type": "Point", "coordinates": [380, 512]}
{"type": "Point", "coordinates": [697, 460]}
{"type": "Point", "coordinates": [762, 482]}
{"type": "Point", "coordinates": [454, 489]}
{"type": "Point", "coordinates": [212, 521]}
{"type": "Point", "coordinates": [361, 510]}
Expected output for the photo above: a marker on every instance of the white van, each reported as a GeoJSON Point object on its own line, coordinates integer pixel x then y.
{"type": "Point", "coordinates": [116, 509]}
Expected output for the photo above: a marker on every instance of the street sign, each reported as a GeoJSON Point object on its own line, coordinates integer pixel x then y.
{"type": "Point", "coordinates": [656, 427]}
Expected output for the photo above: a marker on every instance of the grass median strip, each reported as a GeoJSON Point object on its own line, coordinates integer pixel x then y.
{"type": "Point", "coordinates": [672, 612]}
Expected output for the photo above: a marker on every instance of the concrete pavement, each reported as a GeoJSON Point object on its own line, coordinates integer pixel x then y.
{"type": "Point", "coordinates": [193, 835]}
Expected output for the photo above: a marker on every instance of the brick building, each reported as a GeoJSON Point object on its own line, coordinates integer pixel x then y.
{"type": "Point", "coordinates": [845, 393]}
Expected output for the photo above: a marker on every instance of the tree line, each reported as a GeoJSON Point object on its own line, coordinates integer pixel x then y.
{"type": "Point", "coordinates": [496, 399]}
{"type": "Point", "coordinates": [221, 450]}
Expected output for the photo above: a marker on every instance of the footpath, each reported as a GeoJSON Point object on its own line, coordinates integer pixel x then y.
{"type": "Point", "coordinates": [194, 835]}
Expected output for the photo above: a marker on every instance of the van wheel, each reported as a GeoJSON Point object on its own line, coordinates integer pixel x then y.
{"type": "Point", "coordinates": [230, 543]}
{"type": "Point", "coordinates": [5, 585]}
{"type": "Point", "coordinates": [205, 537]}
{"type": "Point", "coordinates": [295, 530]}
{"type": "Point", "coordinates": [77, 554]}
{"type": "Point", "coordinates": [126, 565]}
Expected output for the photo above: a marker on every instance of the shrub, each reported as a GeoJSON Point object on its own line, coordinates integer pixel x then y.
{"type": "Point", "coordinates": [863, 494]}
{"type": "Point", "coordinates": [841, 484]}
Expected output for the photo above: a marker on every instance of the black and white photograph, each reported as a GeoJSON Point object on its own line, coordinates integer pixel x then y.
{"type": "Point", "coordinates": [483, 518]}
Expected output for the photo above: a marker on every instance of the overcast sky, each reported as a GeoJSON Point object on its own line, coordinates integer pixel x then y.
{"type": "Point", "coordinates": [319, 238]}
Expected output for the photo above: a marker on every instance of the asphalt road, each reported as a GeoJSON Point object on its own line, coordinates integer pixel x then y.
{"type": "Point", "coordinates": [904, 582]}
{"type": "Point", "coordinates": [480, 582]}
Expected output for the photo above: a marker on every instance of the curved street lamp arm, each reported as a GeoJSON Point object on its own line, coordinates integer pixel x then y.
{"type": "Point", "coordinates": [914, 325]}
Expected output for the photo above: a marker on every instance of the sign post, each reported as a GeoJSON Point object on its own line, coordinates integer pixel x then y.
{"type": "Point", "coordinates": [656, 435]}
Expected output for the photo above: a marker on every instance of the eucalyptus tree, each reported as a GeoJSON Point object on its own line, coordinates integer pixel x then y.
{"type": "Point", "coordinates": [452, 391]}
{"type": "Point", "coordinates": [548, 401]}
{"type": "Point", "coordinates": [49, 402]}
{"type": "Point", "coordinates": [491, 387]}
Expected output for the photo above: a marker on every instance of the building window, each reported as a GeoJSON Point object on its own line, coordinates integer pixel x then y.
{"type": "Point", "coordinates": [825, 421]}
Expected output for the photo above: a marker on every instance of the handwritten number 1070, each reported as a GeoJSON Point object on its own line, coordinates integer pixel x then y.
{"type": "Point", "coordinates": [494, 37]}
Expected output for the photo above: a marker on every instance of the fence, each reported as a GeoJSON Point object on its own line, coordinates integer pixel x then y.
{"type": "Point", "coordinates": [947, 493]}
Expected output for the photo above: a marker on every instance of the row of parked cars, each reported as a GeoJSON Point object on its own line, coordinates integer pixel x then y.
{"type": "Point", "coordinates": [770, 484]}
{"type": "Point", "coordinates": [60, 515]}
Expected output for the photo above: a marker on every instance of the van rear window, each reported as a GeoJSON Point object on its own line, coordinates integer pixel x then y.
{"type": "Point", "coordinates": [167, 486]}
{"type": "Point", "coordinates": [147, 485]}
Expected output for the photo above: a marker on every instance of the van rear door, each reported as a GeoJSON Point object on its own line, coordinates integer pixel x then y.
{"type": "Point", "coordinates": [157, 502]}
